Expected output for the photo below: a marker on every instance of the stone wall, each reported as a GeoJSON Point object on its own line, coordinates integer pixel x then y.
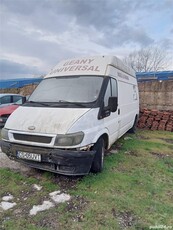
{"type": "Point", "coordinates": [156, 95]}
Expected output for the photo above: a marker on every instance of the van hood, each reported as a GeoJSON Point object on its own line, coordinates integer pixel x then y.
{"type": "Point", "coordinates": [44, 120]}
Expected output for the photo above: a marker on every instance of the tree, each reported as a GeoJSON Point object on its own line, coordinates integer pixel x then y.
{"type": "Point", "coordinates": [147, 59]}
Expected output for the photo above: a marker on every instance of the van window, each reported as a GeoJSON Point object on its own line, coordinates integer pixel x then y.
{"type": "Point", "coordinates": [114, 88]}
{"type": "Point", "coordinates": [107, 94]}
{"type": "Point", "coordinates": [68, 89]}
{"type": "Point", "coordinates": [111, 91]}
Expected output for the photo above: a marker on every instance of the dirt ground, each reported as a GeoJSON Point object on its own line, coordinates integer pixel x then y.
{"type": "Point", "coordinates": [5, 162]}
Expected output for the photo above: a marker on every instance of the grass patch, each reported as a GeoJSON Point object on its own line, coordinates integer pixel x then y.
{"type": "Point", "coordinates": [134, 191]}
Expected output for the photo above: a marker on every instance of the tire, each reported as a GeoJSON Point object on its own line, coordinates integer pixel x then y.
{"type": "Point", "coordinates": [97, 165]}
{"type": "Point", "coordinates": [133, 129]}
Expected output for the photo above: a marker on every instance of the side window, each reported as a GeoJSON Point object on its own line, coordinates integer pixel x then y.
{"type": "Point", "coordinates": [114, 88]}
{"type": "Point", "coordinates": [6, 100]}
{"type": "Point", "coordinates": [107, 94]}
{"type": "Point", "coordinates": [111, 91]}
{"type": "Point", "coordinates": [16, 98]}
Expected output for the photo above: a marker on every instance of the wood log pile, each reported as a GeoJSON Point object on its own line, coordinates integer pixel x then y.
{"type": "Point", "coordinates": [156, 120]}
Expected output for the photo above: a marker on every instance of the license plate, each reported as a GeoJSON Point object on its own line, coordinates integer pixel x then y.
{"type": "Point", "coordinates": [29, 156]}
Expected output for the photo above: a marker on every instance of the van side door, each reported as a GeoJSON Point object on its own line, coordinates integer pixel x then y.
{"type": "Point", "coordinates": [111, 118]}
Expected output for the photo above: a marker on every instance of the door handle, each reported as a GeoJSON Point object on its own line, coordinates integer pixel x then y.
{"type": "Point", "coordinates": [118, 111]}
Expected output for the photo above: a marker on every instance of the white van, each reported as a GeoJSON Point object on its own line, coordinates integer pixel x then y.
{"type": "Point", "coordinates": [78, 110]}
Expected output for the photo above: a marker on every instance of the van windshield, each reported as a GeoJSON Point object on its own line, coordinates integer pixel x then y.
{"type": "Point", "coordinates": [72, 89]}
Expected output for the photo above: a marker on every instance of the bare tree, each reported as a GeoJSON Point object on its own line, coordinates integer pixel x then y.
{"type": "Point", "coordinates": [147, 59]}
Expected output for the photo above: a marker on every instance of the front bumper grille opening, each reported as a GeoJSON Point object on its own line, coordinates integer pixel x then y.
{"type": "Point", "coordinates": [32, 138]}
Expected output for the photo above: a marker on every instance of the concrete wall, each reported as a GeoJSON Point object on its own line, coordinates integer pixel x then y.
{"type": "Point", "coordinates": [156, 95]}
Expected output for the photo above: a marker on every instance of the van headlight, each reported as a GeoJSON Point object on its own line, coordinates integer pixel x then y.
{"type": "Point", "coordinates": [69, 139]}
{"type": "Point", "coordinates": [4, 134]}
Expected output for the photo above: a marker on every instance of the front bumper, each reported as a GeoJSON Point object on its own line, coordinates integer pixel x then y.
{"type": "Point", "coordinates": [66, 162]}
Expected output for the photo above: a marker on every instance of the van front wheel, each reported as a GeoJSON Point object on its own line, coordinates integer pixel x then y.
{"type": "Point", "coordinates": [97, 165]}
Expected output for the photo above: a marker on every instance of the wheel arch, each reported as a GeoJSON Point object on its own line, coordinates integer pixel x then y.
{"type": "Point", "coordinates": [133, 128]}
{"type": "Point", "coordinates": [106, 139]}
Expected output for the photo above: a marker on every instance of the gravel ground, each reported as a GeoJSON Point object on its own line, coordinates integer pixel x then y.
{"type": "Point", "coordinates": [5, 162]}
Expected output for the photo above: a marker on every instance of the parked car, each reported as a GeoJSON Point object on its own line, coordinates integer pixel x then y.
{"type": "Point", "coordinates": [6, 111]}
{"type": "Point", "coordinates": [9, 99]}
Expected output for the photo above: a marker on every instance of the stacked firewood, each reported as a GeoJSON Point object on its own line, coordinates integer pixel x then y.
{"type": "Point", "coordinates": [156, 120]}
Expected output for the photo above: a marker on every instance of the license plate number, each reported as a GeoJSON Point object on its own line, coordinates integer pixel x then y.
{"type": "Point", "coordinates": [29, 156]}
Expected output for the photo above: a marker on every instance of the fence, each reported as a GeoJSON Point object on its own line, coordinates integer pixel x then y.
{"type": "Point", "coordinates": [150, 76]}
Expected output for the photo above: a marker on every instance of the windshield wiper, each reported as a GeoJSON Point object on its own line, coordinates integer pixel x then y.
{"type": "Point", "coordinates": [55, 104]}
{"type": "Point", "coordinates": [38, 102]}
{"type": "Point", "coordinates": [73, 103]}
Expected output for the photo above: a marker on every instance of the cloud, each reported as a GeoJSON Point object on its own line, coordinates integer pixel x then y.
{"type": "Point", "coordinates": [8, 68]}
{"type": "Point", "coordinates": [39, 33]}
{"type": "Point", "coordinates": [56, 16]}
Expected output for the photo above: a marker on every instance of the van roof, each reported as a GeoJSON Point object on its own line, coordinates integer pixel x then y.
{"type": "Point", "coordinates": [92, 65]}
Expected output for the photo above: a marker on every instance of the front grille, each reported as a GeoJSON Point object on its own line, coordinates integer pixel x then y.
{"type": "Point", "coordinates": [32, 138]}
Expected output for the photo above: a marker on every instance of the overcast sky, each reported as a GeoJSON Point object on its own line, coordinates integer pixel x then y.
{"type": "Point", "coordinates": [36, 34]}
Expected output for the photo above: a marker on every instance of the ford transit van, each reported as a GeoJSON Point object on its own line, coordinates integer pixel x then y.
{"type": "Point", "coordinates": [79, 109]}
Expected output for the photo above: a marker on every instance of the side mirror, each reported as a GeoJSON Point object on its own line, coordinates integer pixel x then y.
{"type": "Point", "coordinates": [113, 103]}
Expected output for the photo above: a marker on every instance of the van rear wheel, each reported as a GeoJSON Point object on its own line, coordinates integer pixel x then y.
{"type": "Point", "coordinates": [133, 129]}
{"type": "Point", "coordinates": [99, 147]}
